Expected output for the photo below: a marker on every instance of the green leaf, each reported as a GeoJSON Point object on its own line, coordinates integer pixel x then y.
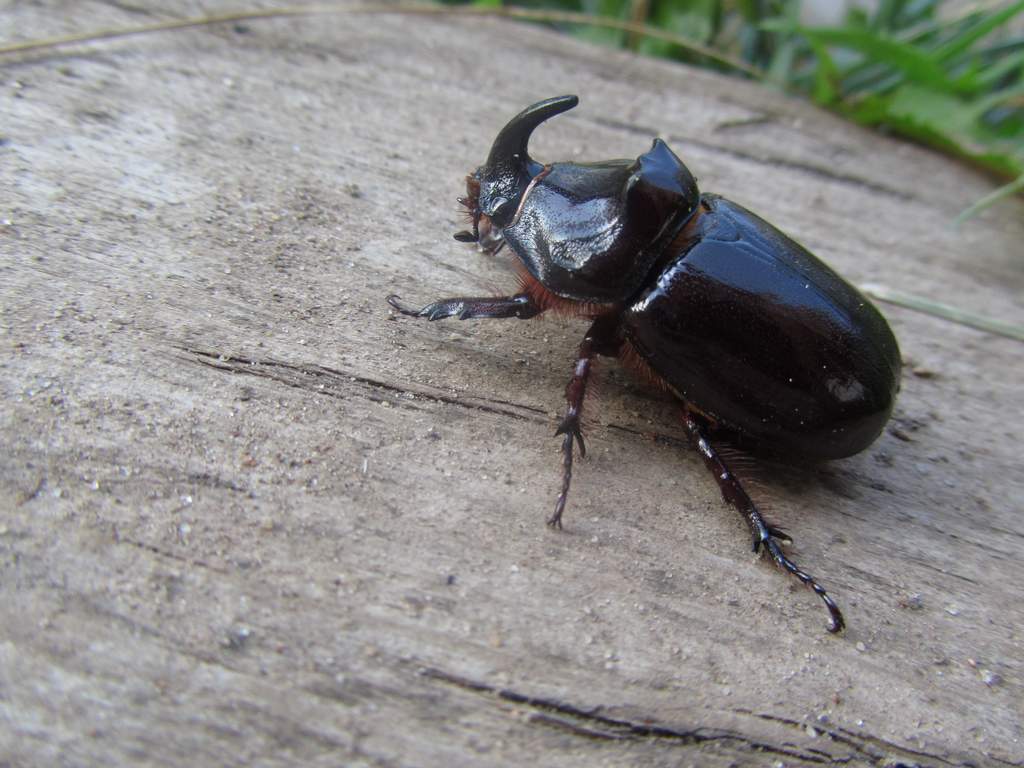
{"type": "Point", "coordinates": [997, 70]}
{"type": "Point", "coordinates": [781, 64]}
{"type": "Point", "coordinates": [972, 34]}
{"type": "Point", "coordinates": [616, 9]}
{"type": "Point", "coordinates": [984, 104]}
{"type": "Point", "coordinates": [826, 77]}
{"type": "Point", "coordinates": [940, 120]}
{"type": "Point", "coordinates": [917, 66]}
{"type": "Point", "coordinates": [943, 112]}
{"type": "Point", "coordinates": [694, 20]}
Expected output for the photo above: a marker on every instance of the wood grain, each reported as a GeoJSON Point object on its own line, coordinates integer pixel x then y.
{"type": "Point", "coordinates": [250, 517]}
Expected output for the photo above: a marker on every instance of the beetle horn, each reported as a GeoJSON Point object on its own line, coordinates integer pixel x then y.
{"type": "Point", "coordinates": [508, 153]}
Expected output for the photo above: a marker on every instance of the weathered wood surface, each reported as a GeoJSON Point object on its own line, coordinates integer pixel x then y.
{"type": "Point", "coordinates": [250, 518]}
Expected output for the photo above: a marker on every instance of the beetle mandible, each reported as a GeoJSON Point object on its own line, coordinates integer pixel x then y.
{"type": "Point", "coordinates": [757, 338]}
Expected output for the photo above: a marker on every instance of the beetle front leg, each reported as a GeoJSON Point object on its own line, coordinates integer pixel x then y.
{"type": "Point", "coordinates": [597, 341]}
{"type": "Point", "coordinates": [765, 536]}
{"type": "Point", "coordinates": [521, 306]}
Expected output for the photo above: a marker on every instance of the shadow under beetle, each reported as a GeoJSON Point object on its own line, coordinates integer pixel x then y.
{"type": "Point", "coordinates": [757, 338]}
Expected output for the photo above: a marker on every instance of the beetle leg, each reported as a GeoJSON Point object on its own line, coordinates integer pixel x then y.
{"type": "Point", "coordinates": [765, 536]}
{"type": "Point", "coordinates": [575, 391]}
{"type": "Point", "coordinates": [597, 341]}
{"type": "Point", "coordinates": [521, 306]}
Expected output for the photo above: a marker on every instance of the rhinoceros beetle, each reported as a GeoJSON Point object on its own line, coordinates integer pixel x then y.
{"type": "Point", "coordinates": [759, 340]}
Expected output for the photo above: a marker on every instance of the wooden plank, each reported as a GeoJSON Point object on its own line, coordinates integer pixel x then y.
{"type": "Point", "coordinates": [250, 517]}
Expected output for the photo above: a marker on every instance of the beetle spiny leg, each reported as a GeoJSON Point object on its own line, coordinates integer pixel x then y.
{"type": "Point", "coordinates": [598, 340]}
{"type": "Point", "coordinates": [521, 306]}
{"type": "Point", "coordinates": [555, 521]}
{"type": "Point", "coordinates": [571, 427]}
{"type": "Point", "coordinates": [836, 621]}
{"type": "Point", "coordinates": [764, 535]}
{"type": "Point", "coordinates": [777, 533]}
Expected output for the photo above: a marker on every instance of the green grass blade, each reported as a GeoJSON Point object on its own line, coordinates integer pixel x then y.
{"type": "Point", "coordinates": [1007, 190]}
{"type": "Point", "coordinates": [916, 65]}
{"type": "Point", "coordinates": [985, 26]}
{"type": "Point", "coordinates": [944, 311]}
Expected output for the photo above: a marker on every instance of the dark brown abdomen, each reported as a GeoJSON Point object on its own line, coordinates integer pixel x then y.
{"type": "Point", "coordinates": [754, 331]}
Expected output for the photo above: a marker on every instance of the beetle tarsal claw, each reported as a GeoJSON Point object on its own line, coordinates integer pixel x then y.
{"type": "Point", "coordinates": [836, 622]}
{"type": "Point", "coordinates": [436, 311]}
{"type": "Point", "coordinates": [396, 302]}
{"type": "Point", "coordinates": [773, 532]}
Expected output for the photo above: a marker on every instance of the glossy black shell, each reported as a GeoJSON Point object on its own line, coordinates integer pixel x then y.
{"type": "Point", "coordinates": [741, 322]}
{"type": "Point", "coordinates": [591, 232]}
{"type": "Point", "coordinates": [764, 338]}
{"type": "Point", "coordinates": [753, 333]}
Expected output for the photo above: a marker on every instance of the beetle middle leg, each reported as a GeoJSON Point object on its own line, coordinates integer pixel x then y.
{"type": "Point", "coordinates": [600, 339]}
{"type": "Point", "coordinates": [765, 536]}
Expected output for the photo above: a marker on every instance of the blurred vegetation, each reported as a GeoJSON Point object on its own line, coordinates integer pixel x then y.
{"type": "Point", "coordinates": [951, 78]}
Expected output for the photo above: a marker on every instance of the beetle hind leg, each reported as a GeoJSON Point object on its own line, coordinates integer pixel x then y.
{"type": "Point", "coordinates": [766, 537]}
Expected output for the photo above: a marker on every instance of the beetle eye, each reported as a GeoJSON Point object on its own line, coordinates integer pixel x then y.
{"type": "Point", "coordinates": [502, 212]}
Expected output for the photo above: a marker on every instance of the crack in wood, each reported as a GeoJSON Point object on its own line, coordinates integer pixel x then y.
{"type": "Point", "coordinates": [817, 171]}
{"type": "Point", "coordinates": [267, 368]}
{"type": "Point", "coordinates": [211, 480]}
{"type": "Point", "coordinates": [792, 165]}
{"type": "Point", "coordinates": [885, 750]}
{"type": "Point", "coordinates": [589, 723]}
{"type": "Point", "coordinates": [27, 496]}
{"type": "Point", "coordinates": [754, 121]}
{"type": "Point", "coordinates": [154, 549]}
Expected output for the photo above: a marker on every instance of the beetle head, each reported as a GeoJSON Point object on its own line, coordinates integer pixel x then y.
{"type": "Point", "coordinates": [495, 190]}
